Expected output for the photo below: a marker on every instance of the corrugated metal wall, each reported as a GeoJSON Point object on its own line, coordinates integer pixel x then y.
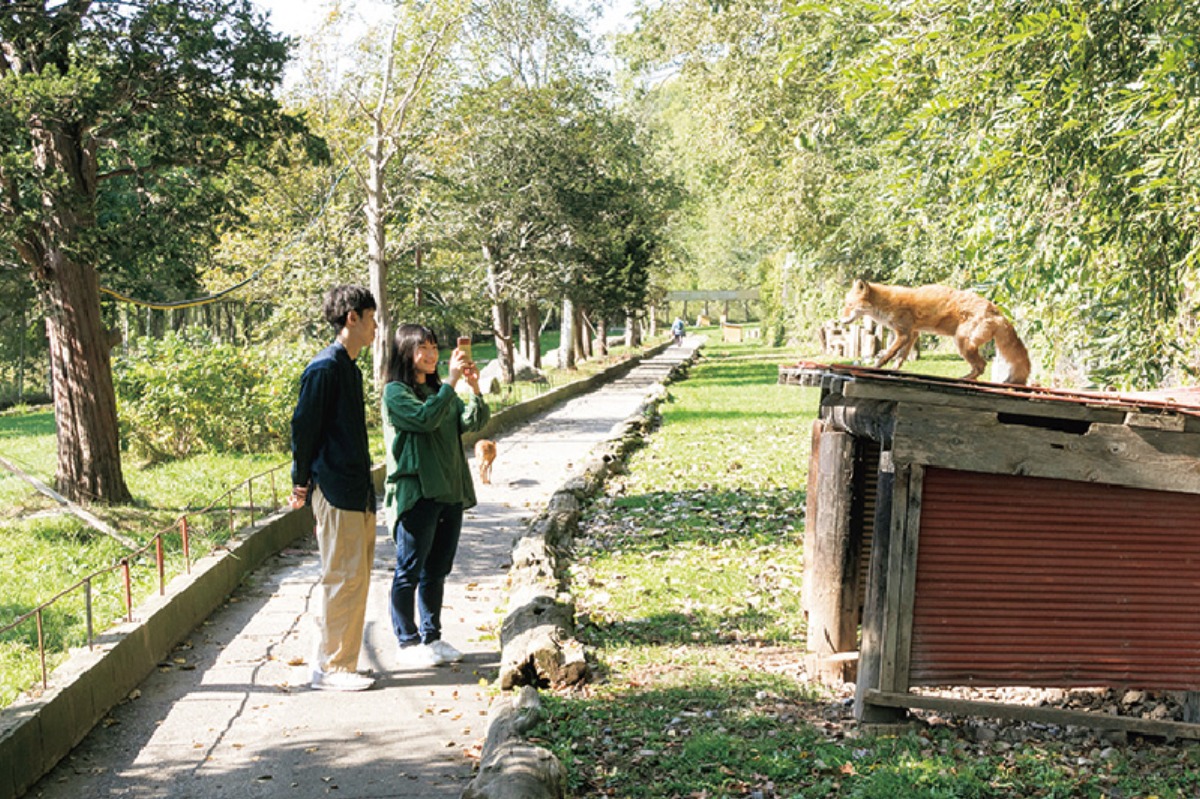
{"type": "Point", "coordinates": [1029, 581]}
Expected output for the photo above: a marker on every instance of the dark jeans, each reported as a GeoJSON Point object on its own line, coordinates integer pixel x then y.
{"type": "Point", "coordinates": [426, 540]}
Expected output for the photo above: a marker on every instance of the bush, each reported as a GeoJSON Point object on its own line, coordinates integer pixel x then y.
{"type": "Point", "coordinates": [186, 393]}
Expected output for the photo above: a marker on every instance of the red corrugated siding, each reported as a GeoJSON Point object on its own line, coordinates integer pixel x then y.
{"type": "Point", "coordinates": [1028, 581]}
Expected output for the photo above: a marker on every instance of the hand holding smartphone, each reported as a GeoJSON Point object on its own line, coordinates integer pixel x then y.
{"type": "Point", "coordinates": [464, 344]}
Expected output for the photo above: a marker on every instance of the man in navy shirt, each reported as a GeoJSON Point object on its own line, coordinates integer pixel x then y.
{"type": "Point", "coordinates": [331, 469]}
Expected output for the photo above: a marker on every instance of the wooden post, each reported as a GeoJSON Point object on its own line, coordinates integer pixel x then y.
{"type": "Point", "coordinates": [833, 611]}
{"type": "Point", "coordinates": [872, 628]}
{"type": "Point", "coordinates": [810, 515]}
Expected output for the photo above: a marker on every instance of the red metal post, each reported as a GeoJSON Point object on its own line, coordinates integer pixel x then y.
{"type": "Point", "coordinates": [87, 601]}
{"type": "Point", "coordinates": [158, 558]}
{"type": "Point", "coordinates": [187, 552]}
{"type": "Point", "coordinates": [128, 590]}
{"type": "Point", "coordinates": [41, 647]}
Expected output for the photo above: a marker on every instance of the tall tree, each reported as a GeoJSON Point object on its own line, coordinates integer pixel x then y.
{"type": "Point", "coordinates": [386, 93]}
{"type": "Point", "coordinates": [92, 94]}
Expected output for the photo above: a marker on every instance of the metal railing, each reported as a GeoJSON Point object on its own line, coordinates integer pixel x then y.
{"type": "Point", "coordinates": [223, 505]}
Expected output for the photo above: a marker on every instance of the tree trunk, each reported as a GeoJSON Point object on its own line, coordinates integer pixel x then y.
{"type": "Point", "coordinates": [21, 355]}
{"type": "Point", "coordinates": [418, 292]}
{"type": "Point", "coordinates": [566, 335]}
{"type": "Point", "coordinates": [583, 336]}
{"type": "Point", "coordinates": [501, 318]}
{"type": "Point", "coordinates": [578, 336]}
{"type": "Point", "coordinates": [502, 331]}
{"type": "Point", "coordinates": [377, 252]}
{"type": "Point", "coordinates": [602, 336]}
{"type": "Point", "coordinates": [85, 405]}
{"type": "Point", "coordinates": [523, 331]}
{"type": "Point", "coordinates": [535, 333]}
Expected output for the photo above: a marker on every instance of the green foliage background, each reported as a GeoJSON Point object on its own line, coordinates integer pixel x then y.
{"type": "Point", "coordinates": [187, 393]}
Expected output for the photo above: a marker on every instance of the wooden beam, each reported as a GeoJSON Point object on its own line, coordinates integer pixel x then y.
{"type": "Point", "coordinates": [833, 595]}
{"type": "Point", "coordinates": [810, 515]}
{"type": "Point", "coordinates": [1103, 453]}
{"type": "Point", "coordinates": [871, 652]}
{"type": "Point", "coordinates": [1045, 715]}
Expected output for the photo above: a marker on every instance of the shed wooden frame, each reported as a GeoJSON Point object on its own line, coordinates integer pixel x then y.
{"type": "Point", "coordinates": [898, 455]}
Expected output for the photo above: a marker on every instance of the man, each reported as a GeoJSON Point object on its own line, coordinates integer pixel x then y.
{"type": "Point", "coordinates": [331, 470]}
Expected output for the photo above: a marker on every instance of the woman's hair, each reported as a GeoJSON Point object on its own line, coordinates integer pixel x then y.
{"type": "Point", "coordinates": [404, 346]}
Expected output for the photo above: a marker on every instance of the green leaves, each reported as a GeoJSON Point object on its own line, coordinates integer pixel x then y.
{"type": "Point", "coordinates": [185, 394]}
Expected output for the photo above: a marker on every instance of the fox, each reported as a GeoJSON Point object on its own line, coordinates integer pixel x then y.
{"type": "Point", "coordinates": [965, 316]}
{"type": "Point", "coordinates": [485, 453]}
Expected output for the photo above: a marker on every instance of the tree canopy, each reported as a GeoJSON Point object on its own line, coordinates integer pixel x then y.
{"type": "Point", "coordinates": [117, 125]}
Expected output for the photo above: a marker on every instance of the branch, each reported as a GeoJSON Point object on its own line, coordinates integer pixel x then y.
{"type": "Point", "coordinates": [400, 113]}
{"type": "Point", "coordinates": [89, 519]}
{"type": "Point", "coordinates": [149, 169]}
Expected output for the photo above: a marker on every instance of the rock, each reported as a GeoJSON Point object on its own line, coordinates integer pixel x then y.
{"type": "Point", "coordinates": [1133, 698]}
{"type": "Point", "coordinates": [985, 734]}
{"type": "Point", "coordinates": [523, 370]}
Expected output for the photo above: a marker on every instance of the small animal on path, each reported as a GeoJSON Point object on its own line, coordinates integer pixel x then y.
{"type": "Point", "coordinates": [968, 318]}
{"type": "Point", "coordinates": [485, 453]}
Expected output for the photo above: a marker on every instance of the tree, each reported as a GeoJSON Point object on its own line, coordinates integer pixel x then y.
{"type": "Point", "coordinates": [95, 97]}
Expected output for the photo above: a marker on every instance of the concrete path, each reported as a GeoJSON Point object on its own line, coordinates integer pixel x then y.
{"type": "Point", "coordinates": [230, 714]}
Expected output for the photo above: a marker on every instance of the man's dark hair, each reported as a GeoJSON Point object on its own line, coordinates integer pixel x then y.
{"type": "Point", "coordinates": [341, 300]}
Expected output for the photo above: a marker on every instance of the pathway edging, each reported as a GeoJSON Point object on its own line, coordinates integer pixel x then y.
{"type": "Point", "coordinates": [537, 636]}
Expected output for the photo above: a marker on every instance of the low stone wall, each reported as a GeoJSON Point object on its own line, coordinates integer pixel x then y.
{"type": "Point", "coordinates": [537, 637]}
{"type": "Point", "coordinates": [515, 415]}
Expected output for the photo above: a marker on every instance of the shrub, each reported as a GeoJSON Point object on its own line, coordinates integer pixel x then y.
{"type": "Point", "coordinates": [186, 393]}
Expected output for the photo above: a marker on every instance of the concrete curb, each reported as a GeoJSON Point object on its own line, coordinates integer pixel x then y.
{"type": "Point", "coordinates": [509, 766]}
{"type": "Point", "coordinates": [514, 415]}
{"type": "Point", "coordinates": [35, 734]}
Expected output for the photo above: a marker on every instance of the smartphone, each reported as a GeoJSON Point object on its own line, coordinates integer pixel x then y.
{"type": "Point", "coordinates": [464, 344]}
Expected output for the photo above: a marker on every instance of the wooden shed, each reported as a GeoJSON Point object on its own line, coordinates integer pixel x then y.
{"type": "Point", "coordinates": [976, 534]}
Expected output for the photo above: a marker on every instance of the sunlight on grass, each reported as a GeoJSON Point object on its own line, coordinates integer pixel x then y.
{"type": "Point", "coordinates": [687, 579]}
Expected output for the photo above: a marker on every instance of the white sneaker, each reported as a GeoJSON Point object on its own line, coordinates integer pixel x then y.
{"type": "Point", "coordinates": [340, 681]}
{"type": "Point", "coordinates": [419, 656]}
{"type": "Point", "coordinates": [445, 652]}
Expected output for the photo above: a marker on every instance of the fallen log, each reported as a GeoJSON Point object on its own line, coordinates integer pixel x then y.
{"type": "Point", "coordinates": [509, 766]}
{"type": "Point", "coordinates": [538, 646]}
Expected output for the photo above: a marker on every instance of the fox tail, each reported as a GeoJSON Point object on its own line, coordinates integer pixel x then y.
{"type": "Point", "coordinates": [1010, 348]}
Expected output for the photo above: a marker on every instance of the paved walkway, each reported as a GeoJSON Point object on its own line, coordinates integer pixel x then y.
{"type": "Point", "coordinates": [230, 715]}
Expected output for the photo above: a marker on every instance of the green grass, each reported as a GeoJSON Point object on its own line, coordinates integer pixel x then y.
{"type": "Point", "coordinates": [687, 578]}
{"type": "Point", "coordinates": [46, 550]}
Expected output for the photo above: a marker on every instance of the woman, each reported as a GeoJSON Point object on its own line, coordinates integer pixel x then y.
{"type": "Point", "coordinates": [428, 484]}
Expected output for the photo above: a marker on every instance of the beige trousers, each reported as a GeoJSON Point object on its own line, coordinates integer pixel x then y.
{"type": "Point", "coordinates": [346, 540]}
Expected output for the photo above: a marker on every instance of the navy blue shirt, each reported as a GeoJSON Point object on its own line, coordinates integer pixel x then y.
{"type": "Point", "coordinates": [329, 432]}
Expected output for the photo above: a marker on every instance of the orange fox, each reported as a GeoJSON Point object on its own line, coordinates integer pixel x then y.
{"type": "Point", "coordinates": [970, 319]}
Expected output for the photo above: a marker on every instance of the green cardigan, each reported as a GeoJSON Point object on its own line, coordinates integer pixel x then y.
{"type": "Point", "coordinates": [424, 453]}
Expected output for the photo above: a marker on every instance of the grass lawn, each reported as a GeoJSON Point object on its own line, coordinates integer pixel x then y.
{"type": "Point", "coordinates": [687, 578]}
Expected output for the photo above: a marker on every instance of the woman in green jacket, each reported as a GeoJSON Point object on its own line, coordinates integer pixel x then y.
{"type": "Point", "coordinates": [429, 484]}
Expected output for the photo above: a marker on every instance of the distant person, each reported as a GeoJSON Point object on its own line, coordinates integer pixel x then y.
{"type": "Point", "coordinates": [428, 484]}
{"type": "Point", "coordinates": [677, 331]}
{"type": "Point", "coordinates": [331, 470]}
